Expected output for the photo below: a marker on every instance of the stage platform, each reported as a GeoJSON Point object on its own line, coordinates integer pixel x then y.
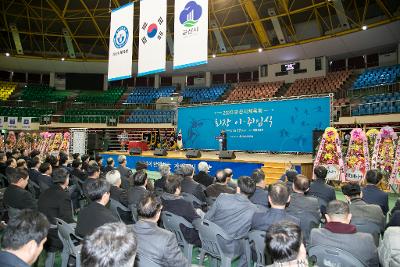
{"type": "Point", "coordinates": [274, 165]}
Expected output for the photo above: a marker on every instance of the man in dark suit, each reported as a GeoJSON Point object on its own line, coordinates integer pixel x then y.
{"type": "Point", "coordinates": [154, 243]}
{"type": "Point", "coordinates": [3, 165]}
{"type": "Point", "coordinates": [260, 196]}
{"type": "Point", "coordinates": [372, 194]}
{"type": "Point", "coordinates": [63, 161]}
{"type": "Point", "coordinates": [116, 192]}
{"type": "Point", "coordinates": [174, 203]}
{"type": "Point", "coordinates": [55, 202]}
{"type": "Point", "coordinates": [124, 171]}
{"type": "Point", "coordinates": [320, 189]}
{"type": "Point", "coordinates": [288, 178]}
{"type": "Point", "coordinates": [305, 208]}
{"type": "Point", "coordinates": [221, 185]}
{"type": "Point", "coordinates": [44, 178]}
{"type": "Point", "coordinates": [93, 172]}
{"type": "Point", "coordinates": [33, 170]}
{"type": "Point", "coordinates": [136, 193]}
{"type": "Point", "coordinates": [164, 170]}
{"type": "Point", "coordinates": [278, 197]}
{"type": "Point", "coordinates": [96, 213]}
{"type": "Point", "coordinates": [189, 185]}
{"type": "Point", "coordinates": [110, 165]}
{"type": "Point", "coordinates": [23, 238]}
{"type": "Point", "coordinates": [339, 233]}
{"type": "Point", "coordinates": [77, 170]}
{"type": "Point", "coordinates": [15, 195]}
{"type": "Point", "coordinates": [203, 177]}
{"type": "Point", "coordinates": [361, 210]}
{"type": "Point", "coordinates": [234, 214]}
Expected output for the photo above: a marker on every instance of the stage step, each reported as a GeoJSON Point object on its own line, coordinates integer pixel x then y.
{"type": "Point", "coordinates": [273, 171]}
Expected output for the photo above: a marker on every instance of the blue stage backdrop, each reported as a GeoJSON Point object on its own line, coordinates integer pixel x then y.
{"type": "Point", "coordinates": [278, 126]}
{"type": "Point", "coordinates": [239, 168]}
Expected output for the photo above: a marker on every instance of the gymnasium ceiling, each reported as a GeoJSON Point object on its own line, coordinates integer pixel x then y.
{"type": "Point", "coordinates": [245, 25]}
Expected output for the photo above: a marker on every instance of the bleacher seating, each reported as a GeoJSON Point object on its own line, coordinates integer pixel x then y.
{"type": "Point", "coordinates": [378, 76]}
{"type": "Point", "coordinates": [45, 93]}
{"type": "Point", "coordinates": [24, 111]}
{"type": "Point", "coordinates": [254, 90]}
{"type": "Point", "coordinates": [89, 115]}
{"type": "Point", "coordinates": [6, 89]}
{"type": "Point", "coordinates": [148, 95]}
{"type": "Point", "coordinates": [151, 116]}
{"type": "Point", "coordinates": [378, 104]}
{"type": "Point", "coordinates": [318, 85]}
{"type": "Point", "coordinates": [111, 96]}
{"type": "Point", "coordinates": [204, 94]}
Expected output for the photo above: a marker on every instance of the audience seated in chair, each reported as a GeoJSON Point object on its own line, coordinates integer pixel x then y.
{"type": "Point", "coordinates": [95, 214]}
{"type": "Point", "coordinates": [203, 177]}
{"type": "Point", "coordinates": [220, 186]}
{"type": "Point", "coordinates": [33, 169]}
{"type": "Point", "coordinates": [284, 244]}
{"type": "Point", "coordinates": [113, 244]}
{"type": "Point", "coordinates": [189, 185]}
{"type": "Point", "coordinates": [154, 243]}
{"type": "Point", "coordinates": [339, 233]}
{"type": "Point", "coordinates": [320, 189]}
{"type": "Point", "coordinates": [23, 239]}
{"type": "Point", "coordinates": [288, 178]}
{"type": "Point", "coordinates": [234, 213]}
{"type": "Point", "coordinates": [372, 194]}
{"type": "Point", "coordinates": [124, 171]}
{"type": "Point", "coordinates": [260, 196]}
{"type": "Point", "coordinates": [55, 202]}
{"type": "Point", "coordinates": [44, 178]}
{"type": "Point", "coordinates": [15, 195]}
{"type": "Point", "coordinates": [361, 210]}
{"type": "Point", "coordinates": [174, 203]}
{"type": "Point", "coordinates": [116, 192]}
{"type": "Point", "coordinates": [164, 170]}
{"type": "Point", "coordinates": [302, 206]}
{"type": "Point", "coordinates": [229, 174]}
{"type": "Point", "coordinates": [278, 197]}
{"type": "Point", "coordinates": [110, 165]}
{"type": "Point", "coordinates": [77, 170]}
{"type": "Point", "coordinates": [136, 193]}
{"type": "Point", "coordinates": [3, 165]}
{"type": "Point", "coordinates": [389, 248]}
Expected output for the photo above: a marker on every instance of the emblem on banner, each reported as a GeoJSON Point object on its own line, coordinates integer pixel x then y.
{"type": "Point", "coordinates": [190, 14]}
{"type": "Point", "coordinates": [121, 37]}
{"type": "Point", "coordinates": [152, 30]}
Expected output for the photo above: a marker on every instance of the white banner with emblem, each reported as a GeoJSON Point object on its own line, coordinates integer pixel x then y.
{"type": "Point", "coordinates": [190, 33]}
{"type": "Point", "coordinates": [120, 46]}
{"type": "Point", "coordinates": [152, 36]}
{"type": "Point", "coordinates": [12, 122]}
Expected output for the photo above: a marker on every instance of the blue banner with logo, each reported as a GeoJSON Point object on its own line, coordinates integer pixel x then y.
{"type": "Point", "coordinates": [238, 168]}
{"type": "Point", "coordinates": [277, 126]}
{"type": "Point", "coordinates": [121, 40]}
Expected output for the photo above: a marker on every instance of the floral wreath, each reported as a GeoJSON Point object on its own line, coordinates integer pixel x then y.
{"type": "Point", "coordinates": [383, 156]}
{"type": "Point", "coordinates": [358, 153]}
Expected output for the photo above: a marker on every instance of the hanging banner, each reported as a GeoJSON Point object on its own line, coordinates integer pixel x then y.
{"type": "Point", "coordinates": [120, 46]}
{"type": "Point", "coordinates": [152, 33]}
{"type": "Point", "coordinates": [1, 122]}
{"type": "Point", "coordinates": [12, 122]}
{"type": "Point", "coordinates": [26, 123]}
{"type": "Point", "coordinates": [190, 33]}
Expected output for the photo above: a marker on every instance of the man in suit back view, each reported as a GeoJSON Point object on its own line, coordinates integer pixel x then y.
{"type": "Point", "coordinates": [372, 194]}
{"type": "Point", "coordinates": [234, 213]}
{"type": "Point", "coordinates": [154, 243]}
{"type": "Point", "coordinates": [320, 189]}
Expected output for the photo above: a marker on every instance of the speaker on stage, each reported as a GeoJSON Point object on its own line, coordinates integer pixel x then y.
{"type": "Point", "coordinates": [160, 152]}
{"type": "Point", "coordinates": [135, 151]}
{"type": "Point", "coordinates": [191, 154]}
{"type": "Point", "coordinates": [227, 154]}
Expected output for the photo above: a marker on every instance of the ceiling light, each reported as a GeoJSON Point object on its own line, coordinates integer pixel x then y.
{"type": "Point", "coordinates": [260, 50]}
{"type": "Point", "coordinates": [62, 59]}
{"type": "Point", "coordinates": [214, 55]}
{"type": "Point", "coordinates": [365, 27]}
{"type": "Point", "coordinates": [7, 54]}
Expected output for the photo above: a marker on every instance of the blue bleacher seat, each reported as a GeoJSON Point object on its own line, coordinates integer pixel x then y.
{"type": "Point", "coordinates": [378, 76]}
